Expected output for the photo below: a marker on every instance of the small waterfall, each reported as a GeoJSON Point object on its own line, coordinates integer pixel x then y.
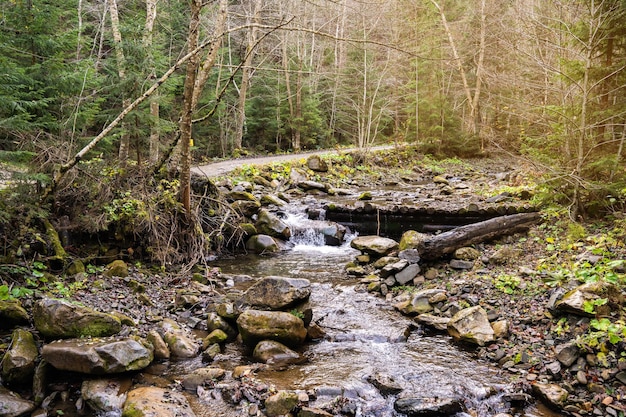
{"type": "Point", "coordinates": [315, 233]}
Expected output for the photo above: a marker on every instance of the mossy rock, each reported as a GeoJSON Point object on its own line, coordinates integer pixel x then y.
{"type": "Point", "coordinates": [117, 268]}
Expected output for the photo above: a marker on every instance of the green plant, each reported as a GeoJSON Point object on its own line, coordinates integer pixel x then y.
{"type": "Point", "coordinates": [590, 305]}
{"type": "Point", "coordinates": [562, 327]}
{"type": "Point", "coordinates": [507, 283]}
{"type": "Point", "coordinates": [297, 313]}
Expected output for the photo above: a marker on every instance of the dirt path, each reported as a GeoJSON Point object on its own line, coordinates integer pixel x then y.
{"type": "Point", "coordinates": [224, 167]}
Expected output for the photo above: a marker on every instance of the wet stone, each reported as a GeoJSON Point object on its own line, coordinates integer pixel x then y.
{"type": "Point", "coordinates": [414, 407]}
{"type": "Point", "coordinates": [384, 383]}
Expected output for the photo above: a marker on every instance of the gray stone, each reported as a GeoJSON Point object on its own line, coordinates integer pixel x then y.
{"type": "Point", "coordinates": [281, 403]}
{"type": "Point", "coordinates": [269, 224]}
{"type": "Point", "coordinates": [459, 264]}
{"type": "Point", "coordinates": [392, 268]}
{"type": "Point", "coordinates": [103, 395]}
{"type": "Point", "coordinates": [374, 245]}
{"type": "Point", "coordinates": [276, 293]}
{"type": "Point", "coordinates": [308, 185]}
{"type": "Point", "coordinates": [60, 319]}
{"type": "Point", "coordinates": [271, 351]}
{"type": "Point", "coordinates": [408, 274]}
{"type": "Point", "coordinates": [12, 314]}
{"type": "Point", "coordinates": [98, 356]}
{"type": "Point", "coordinates": [421, 301]}
{"type": "Point", "coordinates": [552, 394]}
{"type": "Point", "coordinates": [209, 354]}
{"type": "Point", "coordinates": [316, 163]}
{"type": "Point", "coordinates": [411, 255]}
{"type": "Point", "coordinates": [260, 244]}
{"type": "Point", "coordinates": [201, 377]}
{"type": "Point", "coordinates": [384, 383]}
{"type": "Point", "coordinates": [420, 406]}
{"type": "Point", "coordinates": [255, 325]}
{"type": "Point", "coordinates": [471, 325]}
{"type": "Point", "coordinates": [574, 301]}
{"type": "Point", "coordinates": [567, 353]}
{"type": "Point", "coordinates": [182, 344]}
{"type": "Point", "coordinates": [156, 402]}
{"type": "Point", "coordinates": [313, 412]}
{"type": "Point", "coordinates": [18, 363]}
{"type": "Point", "coordinates": [436, 322]}
{"type": "Point", "coordinates": [161, 350]}
{"type": "Point", "coordinates": [12, 405]}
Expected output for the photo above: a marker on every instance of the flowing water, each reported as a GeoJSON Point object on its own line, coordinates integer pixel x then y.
{"type": "Point", "coordinates": [365, 336]}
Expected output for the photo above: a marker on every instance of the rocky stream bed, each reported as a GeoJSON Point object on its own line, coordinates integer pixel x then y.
{"type": "Point", "coordinates": [480, 332]}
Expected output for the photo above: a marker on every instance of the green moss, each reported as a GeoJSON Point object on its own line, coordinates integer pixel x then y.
{"type": "Point", "coordinates": [131, 411]}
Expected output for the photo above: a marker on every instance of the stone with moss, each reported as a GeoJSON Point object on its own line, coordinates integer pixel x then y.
{"type": "Point", "coordinates": [98, 356]}
{"type": "Point", "coordinates": [117, 268]}
{"type": "Point", "coordinates": [411, 239]}
{"type": "Point", "coordinates": [18, 363]}
{"type": "Point", "coordinates": [281, 403]}
{"type": "Point", "coordinates": [261, 244]}
{"type": "Point", "coordinates": [56, 319]}
{"type": "Point", "coordinates": [256, 325]}
{"type": "Point", "coordinates": [216, 336]}
{"type": "Point", "coordinates": [155, 401]}
{"type": "Point", "coordinates": [12, 314]}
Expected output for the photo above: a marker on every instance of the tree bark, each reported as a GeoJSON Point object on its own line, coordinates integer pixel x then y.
{"type": "Point", "coordinates": [121, 72]}
{"type": "Point", "coordinates": [154, 142]}
{"type": "Point", "coordinates": [185, 124]}
{"type": "Point", "coordinates": [436, 246]}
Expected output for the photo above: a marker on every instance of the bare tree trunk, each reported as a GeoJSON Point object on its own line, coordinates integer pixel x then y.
{"type": "Point", "coordinates": [246, 74]}
{"type": "Point", "coordinates": [121, 71]}
{"type": "Point", "coordinates": [185, 124]}
{"type": "Point", "coordinates": [154, 141]}
{"type": "Point", "coordinates": [470, 122]}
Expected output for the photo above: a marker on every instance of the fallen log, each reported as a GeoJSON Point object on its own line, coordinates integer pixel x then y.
{"type": "Point", "coordinates": [435, 246]}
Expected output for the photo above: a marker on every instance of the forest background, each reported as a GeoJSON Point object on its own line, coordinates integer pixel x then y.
{"type": "Point", "coordinates": [99, 97]}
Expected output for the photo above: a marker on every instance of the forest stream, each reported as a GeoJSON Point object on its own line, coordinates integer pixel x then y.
{"type": "Point", "coordinates": [365, 336]}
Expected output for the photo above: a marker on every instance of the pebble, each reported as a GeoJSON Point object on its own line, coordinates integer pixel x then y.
{"type": "Point", "coordinates": [531, 377]}
{"type": "Point", "coordinates": [581, 377]}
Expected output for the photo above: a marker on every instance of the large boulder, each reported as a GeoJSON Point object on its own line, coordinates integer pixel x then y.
{"type": "Point", "coordinates": [256, 325]}
{"type": "Point", "coordinates": [12, 405]}
{"type": "Point", "coordinates": [56, 319]}
{"type": "Point", "coordinates": [12, 314]}
{"type": "Point", "coordinates": [269, 224]}
{"type": "Point", "coordinates": [103, 395]}
{"type": "Point", "coordinates": [156, 402]}
{"type": "Point", "coordinates": [471, 325]}
{"type": "Point", "coordinates": [580, 299]}
{"type": "Point", "coordinates": [374, 245]}
{"type": "Point", "coordinates": [276, 293]}
{"type": "Point", "coordinates": [182, 344]}
{"type": "Point", "coordinates": [18, 364]}
{"type": "Point", "coordinates": [98, 356]}
{"type": "Point", "coordinates": [261, 244]}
